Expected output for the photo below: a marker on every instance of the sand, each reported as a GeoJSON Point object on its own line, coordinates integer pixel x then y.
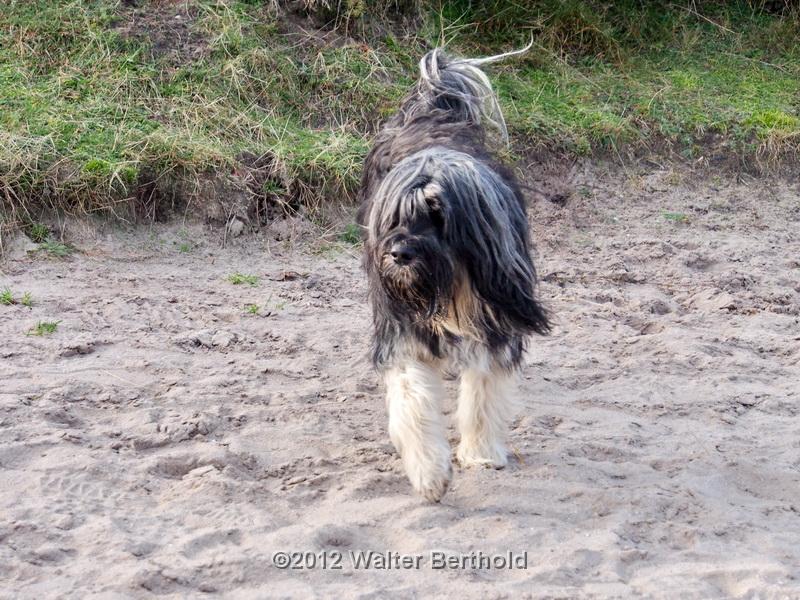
{"type": "Point", "coordinates": [166, 442]}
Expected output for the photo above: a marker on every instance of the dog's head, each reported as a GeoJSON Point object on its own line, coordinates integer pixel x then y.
{"type": "Point", "coordinates": [442, 224]}
{"type": "Point", "coordinates": [408, 250]}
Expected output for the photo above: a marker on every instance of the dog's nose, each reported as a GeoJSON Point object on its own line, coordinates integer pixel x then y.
{"type": "Point", "coordinates": [402, 253]}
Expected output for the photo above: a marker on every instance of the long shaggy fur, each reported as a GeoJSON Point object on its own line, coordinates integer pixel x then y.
{"type": "Point", "coordinates": [447, 254]}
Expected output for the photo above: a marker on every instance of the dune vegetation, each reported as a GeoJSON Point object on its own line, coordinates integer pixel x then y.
{"type": "Point", "coordinates": [141, 109]}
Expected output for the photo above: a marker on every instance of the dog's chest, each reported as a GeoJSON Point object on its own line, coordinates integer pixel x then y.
{"type": "Point", "coordinates": [462, 316]}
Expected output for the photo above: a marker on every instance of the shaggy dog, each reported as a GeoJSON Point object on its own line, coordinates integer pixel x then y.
{"type": "Point", "coordinates": [447, 254]}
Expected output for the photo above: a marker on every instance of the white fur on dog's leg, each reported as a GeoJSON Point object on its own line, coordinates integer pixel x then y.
{"type": "Point", "coordinates": [485, 409]}
{"type": "Point", "coordinates": [414, 393]}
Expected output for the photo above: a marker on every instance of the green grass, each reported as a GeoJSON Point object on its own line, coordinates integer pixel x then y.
{"type": "Point", "coordinates": [240, 278]}
{"type": "Point", "coordinates": [351, 234]}
{"type": "Point", "coordinates": [630, 75]}
{"type": "Point", "coordinates": [54, 248]}
{"type": "Point", "coordinates": [676, 217]}
{"type": "Point", "coordinates": [44, 328]}
{"type": "Point", "coordinates": [93, 114]}
{"type": "Point", "coordinates": [7, 298]}
{"type": "Point", "coordinates": [101, 111]}
{"type": "Point", "coordinates": [38, 232]}
{"type": "Point", "coordinates": [252, 309]}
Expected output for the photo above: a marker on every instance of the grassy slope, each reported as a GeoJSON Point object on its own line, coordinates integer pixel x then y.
{"type": "Point", "coordinates": [639, 74]}
{"type": "Point", "coordinates": [100, 103]}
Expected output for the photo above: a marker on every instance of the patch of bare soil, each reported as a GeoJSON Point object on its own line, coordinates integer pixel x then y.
{"type": "Point", "coordinates": [166, 27]}
{"type": "Point", "coordinates": [164, 440]}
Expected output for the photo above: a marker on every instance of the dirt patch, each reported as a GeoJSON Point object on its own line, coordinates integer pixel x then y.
{"type": "Point", "coordinates": [167, 438]}
{"type": "Point", "coordinates": [165, 28]}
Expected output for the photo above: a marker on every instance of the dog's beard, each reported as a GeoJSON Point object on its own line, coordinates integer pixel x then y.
{"type": "Point", "coordinates": [421, 289]}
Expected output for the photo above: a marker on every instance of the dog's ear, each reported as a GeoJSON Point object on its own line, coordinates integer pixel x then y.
{"type": "Point", "coordinates": [508, 292]}
{"type": "Point", "coordinates": [434, 204]}
{"type": "Point", "coordinates": [510, 297]}
{"type": "Point", "coordinates": [432, 196]}
{"type": "Point", "coordinates": [488, 230]}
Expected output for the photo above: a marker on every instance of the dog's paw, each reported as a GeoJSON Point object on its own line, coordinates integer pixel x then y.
{"type": "Point", "coordinates": [430, 478]}
{"type": "Point", "coordinates": [433, 485]}
{"type": "Point", "coordinates": [488, 455]}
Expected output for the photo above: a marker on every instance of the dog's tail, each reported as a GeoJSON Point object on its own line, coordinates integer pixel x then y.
{"type": "Point", "coordinates": [458, 85]}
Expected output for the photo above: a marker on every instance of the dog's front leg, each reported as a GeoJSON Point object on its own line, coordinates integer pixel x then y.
{"type": "Point", "coordinates": [485, 409]}
{"type": "Point", "coordinates": [414, 394]}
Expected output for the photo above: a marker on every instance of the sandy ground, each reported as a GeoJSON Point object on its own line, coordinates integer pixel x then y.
{"type": "Point", "coordinates": [164, 441]}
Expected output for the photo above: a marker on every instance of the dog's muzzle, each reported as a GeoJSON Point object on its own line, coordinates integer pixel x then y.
{"type": "Point", "coordinates": [403, 253]}
{"type": "Point", "coordinates": [417, 274]}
